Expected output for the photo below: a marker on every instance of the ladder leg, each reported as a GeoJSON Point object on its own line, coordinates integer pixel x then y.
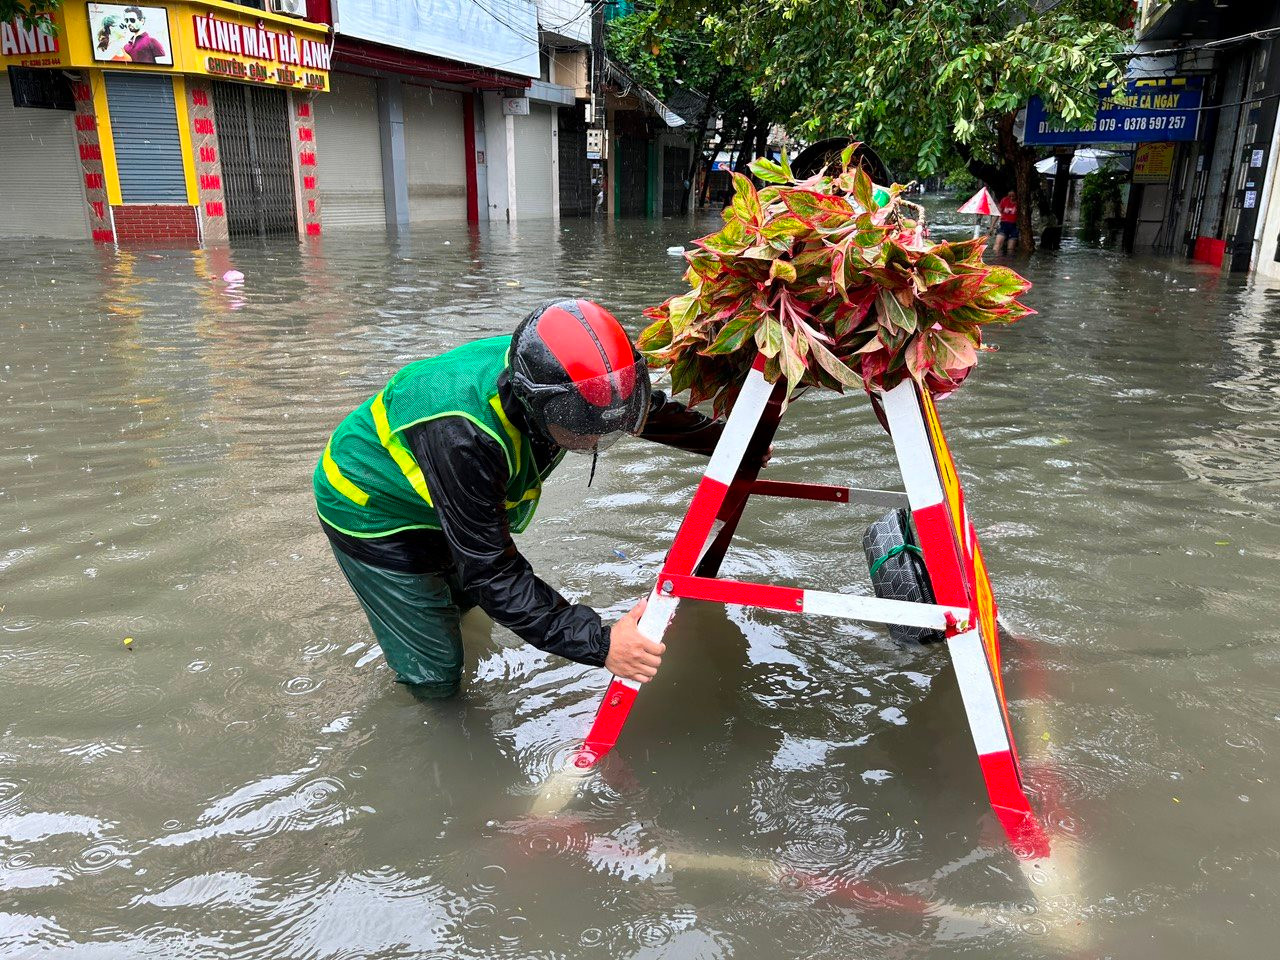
{"type": "Point", "coordinates": [695, 536]}
{"type": "Point", "coordinates": [954, 562]}
{"type": "Point", "coordinates": [740, 489]}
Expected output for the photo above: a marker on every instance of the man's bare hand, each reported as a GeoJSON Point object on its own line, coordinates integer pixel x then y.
{"type": "Point", "coordinates": [633, 656]}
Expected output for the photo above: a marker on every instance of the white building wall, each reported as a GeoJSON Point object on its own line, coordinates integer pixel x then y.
{"type": "Point", "coordinates": [1267, 237]}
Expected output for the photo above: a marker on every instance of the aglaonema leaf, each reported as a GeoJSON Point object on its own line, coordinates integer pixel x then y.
{"type": "Point", "coordinates": [1003, 285]}
{"type": "Point", "coordinates": [736, 332]}
{"type": "Point", "coordinates": [829, 362]}
{"type": "Point", "coordinates": [769, 336]}
{"type": "Point", "coordinates": [831, 284]}
{"type": "Point", "coordinates": [793, 367]}
{"type": "Point", "coordinates": [894, 314]}
{"type": "Point", "coordinates": [656, 336]}
{"type": "Point", "coordinates": [783, 270]}
{"type": "Point", "coordinates": [769, 171]}
{"type": "Point", "coordinates": [746, 202]}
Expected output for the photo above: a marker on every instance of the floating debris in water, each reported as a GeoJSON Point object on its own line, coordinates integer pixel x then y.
{"type": "Point", "coordinates": [676, 251]}
{"type": "Point", "coordinates": [128, 644]}
{"type": "Point", "coordinates": [233, 276]}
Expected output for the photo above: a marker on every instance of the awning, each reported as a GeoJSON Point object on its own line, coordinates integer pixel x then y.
{"type": "Point", "coordinates": [626, 86]}
{"type": "Point", "coordinates": [1087, 160]}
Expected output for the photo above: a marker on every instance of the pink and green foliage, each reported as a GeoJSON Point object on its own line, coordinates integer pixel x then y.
{"type": "Point", "coordinates": [829, 280]}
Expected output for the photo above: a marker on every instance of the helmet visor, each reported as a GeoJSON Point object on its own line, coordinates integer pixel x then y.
{"type": "Point", "coordinates": [592, 414]}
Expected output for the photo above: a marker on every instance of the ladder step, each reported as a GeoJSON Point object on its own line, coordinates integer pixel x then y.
{"type": "Point", "coordinates": [830, 494]}
{"type": "Point", "coordinates": [930, 616]}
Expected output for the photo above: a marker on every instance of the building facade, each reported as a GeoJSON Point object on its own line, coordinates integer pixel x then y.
{"type": "Point", "coordinates": [452, 110]}
{"type": "Point", "coordinates": [1216, 199]}
{"type": "Point", "coordinates": [206, 121]}
{"type": "Point", "coordinates": [182, 123]}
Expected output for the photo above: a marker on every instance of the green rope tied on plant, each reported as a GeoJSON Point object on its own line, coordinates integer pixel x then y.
{"type": "Point", "coordinates": [901, 548]}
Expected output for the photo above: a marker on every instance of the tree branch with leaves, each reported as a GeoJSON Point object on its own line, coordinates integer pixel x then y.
{"type": "Point", "coordinates": [923, 80]}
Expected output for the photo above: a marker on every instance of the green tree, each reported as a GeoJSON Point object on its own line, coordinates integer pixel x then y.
{"type": "Point", "coordinates": [26, 10]}
{"type": "Point", "coordinates": [694, 54]}
{"type": "Point", "coordinates": [925, 80]}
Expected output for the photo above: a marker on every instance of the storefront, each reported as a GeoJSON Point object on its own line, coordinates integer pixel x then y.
{"type": "Point", "coordinates": [537, 162]}
{"type": "Point", "coordinates": [351, 187]}
{"type": "Point", "coordinates": [40, 177]}
{"type": "Point", "coordinates": [190, 122]}
{"type": "Point", "coordinates": [404, 134]}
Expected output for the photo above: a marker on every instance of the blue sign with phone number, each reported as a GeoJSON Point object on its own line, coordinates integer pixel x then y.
{"type": "Point", "coordinates": [1158, 110]}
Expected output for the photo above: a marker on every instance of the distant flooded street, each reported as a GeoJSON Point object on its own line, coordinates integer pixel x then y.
{"type": "Point", "coordinates": [244, 779]}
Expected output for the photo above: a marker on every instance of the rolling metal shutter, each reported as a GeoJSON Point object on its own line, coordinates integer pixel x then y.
{"type": "Point", "coordinates": [257, 162]}
{"type": "Point", "coordinates": [349, 153]}
{"type": "Point", "coordinates": [41, 193]}
{"type": "Point", "coordinates": [533, 163]}
{"type": "Point", "coordinates": [575, 168]}
{"type": "Point", "coordinates": [633, 176]}
{"type": "Point", "coordinates": [144, 127]}
{"type": "Point", "coordinates": [435, 154]}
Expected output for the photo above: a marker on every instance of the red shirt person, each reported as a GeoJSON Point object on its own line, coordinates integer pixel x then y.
{"type": "Point", "coordinates": [1008, 232]}
{"type": "Point", "coordinates": [142, 47]}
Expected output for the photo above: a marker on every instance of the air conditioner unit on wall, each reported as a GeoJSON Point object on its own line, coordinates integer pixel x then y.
{"type": "Point", "coordinates": [294, 8]}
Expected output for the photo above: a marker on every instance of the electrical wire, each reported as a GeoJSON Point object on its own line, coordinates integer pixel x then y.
{"type": "Point", "coordinates": [519, 32]}
{"type": "Point", "coordinates": [1207, 45]}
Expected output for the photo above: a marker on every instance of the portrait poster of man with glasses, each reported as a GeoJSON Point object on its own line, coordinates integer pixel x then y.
{"type": "Point", "coordinates": [130, 34]}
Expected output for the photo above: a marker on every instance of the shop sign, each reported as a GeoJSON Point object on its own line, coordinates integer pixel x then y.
{"type": "Point", "coordinates": [1153, 163]}
{"type": "Point", "coordinates": [193, 37]}
{"type": "Point", "coordinates": [1143, 111]}
{"type": "Point", "coordinates": [500, 34]}
{"type": "Point", "coordinates": [29, 46]}
{"type": "Point", "coordinates": [240, 49]}
{"type": "Point", "coordinates": [515, 106]}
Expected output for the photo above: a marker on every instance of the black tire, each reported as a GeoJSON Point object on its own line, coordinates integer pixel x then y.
{"type": "Point", "coordinates": [826, 153]}
{"type": "Point", "coordinates": [898, 570]}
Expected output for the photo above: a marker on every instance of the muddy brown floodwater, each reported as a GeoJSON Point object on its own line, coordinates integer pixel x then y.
{"type": "Point", "coordinates": [248, 782]}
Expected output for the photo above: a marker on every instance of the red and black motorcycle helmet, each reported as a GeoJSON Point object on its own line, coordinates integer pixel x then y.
{"type": "Point", "coordinates": [577, 375]}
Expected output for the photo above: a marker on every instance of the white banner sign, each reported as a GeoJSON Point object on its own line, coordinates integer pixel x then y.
{"type": "Point", "coordinates": [499, 34]}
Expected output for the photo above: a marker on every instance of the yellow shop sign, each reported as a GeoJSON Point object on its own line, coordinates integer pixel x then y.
{"type": "Point", "coordinates": [204, 37]}
{"type": "Point", "coordinates": [254, 51]}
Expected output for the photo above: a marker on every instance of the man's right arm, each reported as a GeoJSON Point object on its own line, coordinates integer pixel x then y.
{"type": "Point", "coordinates": [466, 472]}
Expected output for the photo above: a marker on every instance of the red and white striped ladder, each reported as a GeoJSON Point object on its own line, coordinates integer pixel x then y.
{"type": "Point", "coordinates": [964, 610]}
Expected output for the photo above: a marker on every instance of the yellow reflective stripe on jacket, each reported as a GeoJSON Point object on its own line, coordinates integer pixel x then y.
{"type": "Point", "coordinates": [533, 494]}
{"type": "Point", "coordinates": [515, 436]}
{"type": "Point", "coordinates": [399, 452]}
{"type": "Point", "coordinates": [512, 432]}
{"type": "Point", "coordinates": [339, 482]}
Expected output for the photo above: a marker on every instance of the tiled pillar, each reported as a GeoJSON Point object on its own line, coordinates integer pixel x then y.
{"type": "Point", "coordinates": [303, 124]}
{"type": "Point", "coordinates": [204, 146]}
{"type": "Point", "coordinates": [90, 148]}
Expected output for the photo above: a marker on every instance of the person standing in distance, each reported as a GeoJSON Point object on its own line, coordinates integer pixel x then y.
{"type": "Point", "coordinates": [420, 488]}
{"type": "Point", "coordinates": [1007, 232]}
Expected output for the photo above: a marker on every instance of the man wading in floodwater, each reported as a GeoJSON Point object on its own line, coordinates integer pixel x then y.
{"type": "Point", "coordinates": [420, 487]}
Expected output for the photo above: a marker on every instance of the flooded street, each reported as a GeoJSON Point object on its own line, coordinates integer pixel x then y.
{"type": "Point", "coordinates": [245, 780]}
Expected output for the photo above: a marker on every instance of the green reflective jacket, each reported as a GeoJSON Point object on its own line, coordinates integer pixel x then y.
{"type": "Point", "coordinates": [368, 483]}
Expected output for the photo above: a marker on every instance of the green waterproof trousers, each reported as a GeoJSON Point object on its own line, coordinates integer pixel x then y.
{"type": "Point", "coordinates": [417, 620]}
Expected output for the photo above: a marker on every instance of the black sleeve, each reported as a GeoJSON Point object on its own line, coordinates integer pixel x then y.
{"type": "Point", "coordinates": [466, 472]}
{"type": "Point", "coordinates": [673, 424]}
